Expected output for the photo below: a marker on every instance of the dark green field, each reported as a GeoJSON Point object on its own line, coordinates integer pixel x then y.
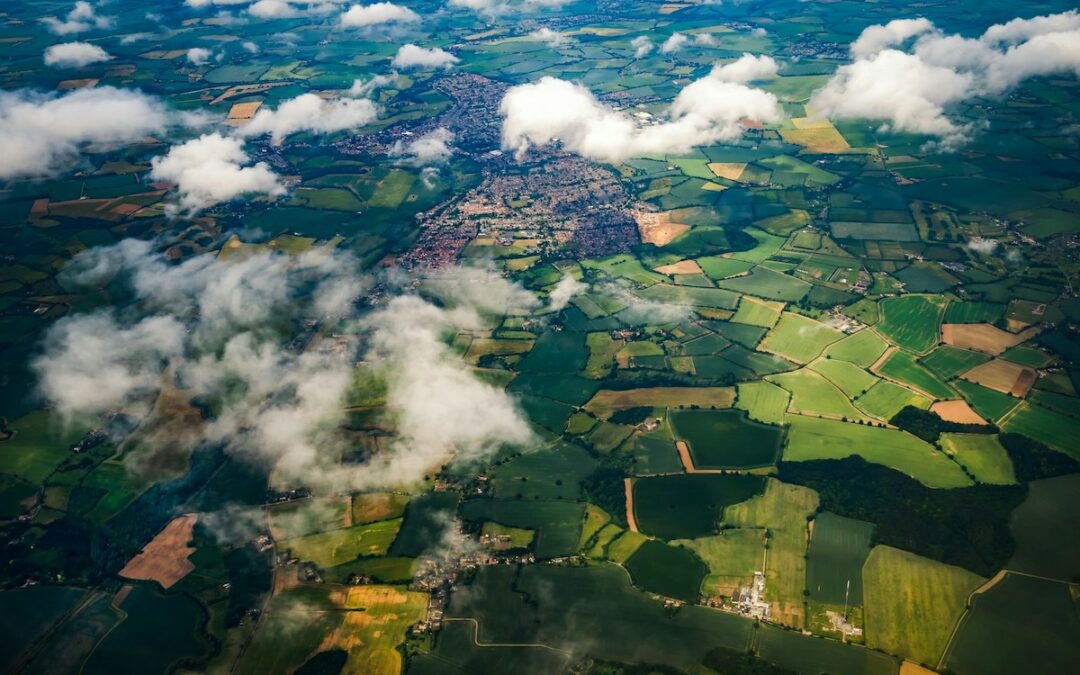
{"type": "Point", "coordinates": [558, 523]}
{"type": "Point", "coordinates": [1019, 623]}
{"type": "Point", "coordinates": [688, 506]}
{"type": "Point", "coordinates": [726, 439]}
{"type": "Point", "coordinates": [1046, 532]}
{"type": "Point", "coordinates": [838, 549]}
{"type": "Point", "coordinates": [671, 571]}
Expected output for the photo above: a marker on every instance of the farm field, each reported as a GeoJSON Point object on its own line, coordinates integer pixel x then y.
{"type": "Point", "coordinates": [838, 548]}
{"type": "Point", "coordinates": [1045, 530]}
{"type": "Point", "coordinates": [911, 603]}
{"type": "Point", "coordinates": [798, 338]}
{"type": "Point", "coordinates": [910, 322]}
{"type": "Point", "coordinates": [605, 402]}
{"type": "Point", "coordinates": [862, 348]}
{"type": "Point", "coordinates": [1037, 615]}
{"type": "Point", "coordinates": [783, 510]}
{"type": "Point", "coordinates": [763, 401]}
{"type": "Point", "coordinates": [903, 368]}
{"type": "Point", "coordinates": [689, 506]}
{"type": "Point", "coordinates": [726, 439]}
{"type": "Point", "coordinates": [813, 394]}
{"type": "Point", "coordinates": [1042, 424]}
{"type": "Point", "coordinates": [811, 438]}
{"type": "Point", "coordinates": [732, 557]}
{"type": "Point", "coordinates": [670, 571]}
{"type": "Point", "coordinates": [982, 455]}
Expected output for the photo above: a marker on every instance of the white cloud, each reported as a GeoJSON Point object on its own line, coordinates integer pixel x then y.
{"type": "Point", "coordinates": [75, 55]}
{"type": "Point", "coordinates": [311, 113]}
{"type": "Point", "coordinates": [705, 111]}
{"type": "Point", "coordinates": [875, 38]}
{"type": "Point", "coordinates": [365, 88]}
{"type": "Point", "coordinates": [198, 56]}
{"type": "Point", "coordinates": [642, 45]}
{"type": "Point", "coordinates": [912, 87]}
{"type": "Point", "coordinates": [211, 169]}
{"type": "Point", "coordinates": [674, 44]}
{"type": "Point", "coordinates": [40, 133]}
{"type": "Point", "coordinates": [250, 47]}
{"type": "Point", "coordinates": [94, 365]}
{"type": "Point", "coordinates": [431, 148]}
{"type": "Point", "coordinates": [81, 18]}
{"type": "Point", "coordinates": [274, 9]}
{"type": "Point", "coordinates": [553, 38]}
{"type": "Point", "coordinates": [746, 68]}
{"type": "Point", "coordinates": [983, 246]}
{"type": "Point", "coordinates": [564, 291]}
{"type": "Point", "coordinates": [413, 56]}
{"type": "Point", "coordinates": [214, 321]}
{"type": "Point", "coordinates": [362, 16]}
{"type": "Point", "coordinates": [705, 40]}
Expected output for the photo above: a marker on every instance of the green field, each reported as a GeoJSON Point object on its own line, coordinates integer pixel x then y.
{"type": "Point", "coordinates": [862, 348]}
{"type": "Point", "coordinates": [851, 379]}
{"type": "Point", "coordinates": [1020, 623]}
{"type": "Point", "coordinates": [763, 401]}
{"type": "Point", "coordinates": [990, 404]}
{"type": "Point", "coordinates": [327, 549]}
{"type": "Point", "coordinates": [689, 506]}
{"type": "Point", "coordinates": [726, 439]}
{"type": "Point", "coordinates": [1045, 530]}
{"type": "Point", "coordinates": [731, 556]}
{"type": "Point", "coordinates": [1045, 425]}
{"type": "Point", "coordinates": [813, 394]}
{"type": "Point", "coordinates": [902, 367]}
{"type": "Point", "coordinates": [159, 632]}
{"type": "Point", "coordinates": [911, 322]}
{"type": "Point", "coordinates": [784, 511]}
{"type": "Point", "coordinates": [812, 656]}
{"type": "Point", "coordinates": [973, 312]}
{"type": "Point", "coordinates": [670, 571]}
{"type": "Point", "coordinates": [557, 523]}
{"type": "Point", "coordinates": [982, 455]}
{"type": "Point", "coordinates": [911, 603]}
{"type": "Point", "coordinates": [799, 338]}
{"type": "Point", "coordinates": [756, 313]}
{"type": "Point", "coordinates": [566, 603]}
{"type": "Point", "coordinates": [813, 438]}
{"type": "Point", "coordinates": [838, 548]}
{"type": "Point", "coordinates": [885, 399]}
{"type": "Point", "coordinates": [26, 614]}
{"type": "Point", "coordinates": [947, 362]}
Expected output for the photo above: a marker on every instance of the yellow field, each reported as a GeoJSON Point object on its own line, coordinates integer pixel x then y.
{"type": "Point", "coordinates": [620, 549]}
{"type": "Point", "coordinates": [606, 401]}
{"type": "Point", "coordinates": [911, 603]}
{"type": "Point", "coordinates": [595, 519]}
{"type": "Point", "coordinates": [372, 631]}
{"type": "Point", "coordinates": [817, 139]}
{"type": "Point", "coordinates": [729, 170]}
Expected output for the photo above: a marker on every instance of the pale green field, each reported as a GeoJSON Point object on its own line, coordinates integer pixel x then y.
{"type": "Point", "coordinates": [911, 603]}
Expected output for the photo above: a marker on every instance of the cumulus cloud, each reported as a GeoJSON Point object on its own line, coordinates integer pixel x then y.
{"type": "Point", "coordinates": [95, 365]}
{"type": "Point", "coordinates": [41, 133]}
{"type": "Point", "coordinates": [431, 148]}
{"type": "Point", "coordinates": [250, 47]}
{"type": "Point", "coordinates": [274, 9]}
{"type": "Point", "coordinates": [366, 87]}
{"type": "Point", "coordinates": [674, 44]}
{"type": "Point", "coordinates": [210, 169]}
{"type": "Point", "coordinates": [379, 13]}
{"type": "Point", "coordinates": [564, 291]}
{"type": "Point", "coordinates": [908, 73]}
{"type": "Point", "coordinates": [642, 46]}
{"type": "Point", "coordinates": [875, 38]}
{"type": "Point", "coordinates": [81, 18]}
{"type": "Point", "coordinates": [746, 68]}
{"type": "Point", "coordinates": [75, 55]}
{"type": "Point", "coordinates": [310, 113]}
{"type": "Point", "coordinates": [198, 56]}
{"type": "Point", "coordinates": [705, 40]}
{"type": "Point", "coordinates": [215, 322]}
{"type": "Point", "coordinates": [553, 38]}
{"type": "Point", "coordinates": [705, 111]}
{"type": "Point", "coordinates": [413, 56]}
